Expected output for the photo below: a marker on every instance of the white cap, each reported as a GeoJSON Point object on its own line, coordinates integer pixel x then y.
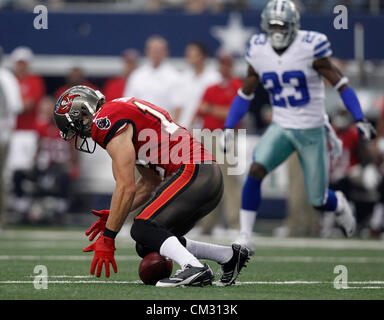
{"type": "Point", "coordinates": [22, 53]}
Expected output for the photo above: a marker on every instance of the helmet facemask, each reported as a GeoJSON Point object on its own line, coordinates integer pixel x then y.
{"type": "Point", "coordinates": [280, 35]}
{"type": "Point", "coordinates": [280, 20]}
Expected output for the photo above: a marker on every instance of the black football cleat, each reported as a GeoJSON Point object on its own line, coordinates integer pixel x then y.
{"type": "Point", "coordinates": [189, 276]}
{"type": "Point", "coordinates": [231, 269]}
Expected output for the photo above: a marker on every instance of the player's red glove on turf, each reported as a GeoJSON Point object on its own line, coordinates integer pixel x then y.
{"type": "Point", "coordinates": [99, 225]}
{"type": "Point", "coordinates": [104, 249]}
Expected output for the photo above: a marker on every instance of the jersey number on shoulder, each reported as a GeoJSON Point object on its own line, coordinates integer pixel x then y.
{"type": "Point", "coordinates": [297, 79]}
{"type": "Point", "coordinates": [168, 125]}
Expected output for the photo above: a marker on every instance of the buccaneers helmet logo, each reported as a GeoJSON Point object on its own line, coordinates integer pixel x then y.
{"type": "Point", "coordinates": [65, 104]}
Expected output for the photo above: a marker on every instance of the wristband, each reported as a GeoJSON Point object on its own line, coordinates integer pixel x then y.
{"type": "Point", "coordinates": [342, 82]}
{"type": "Point", "coordinates": [109, 233]}
{"type": "Point", "coordinates": [244, 96]}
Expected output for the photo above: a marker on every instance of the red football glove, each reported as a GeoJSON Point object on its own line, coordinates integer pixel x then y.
{"type": "Point", "coordinates": [99, 225]}
{"type": "Point", "coordinates": [104, 249]}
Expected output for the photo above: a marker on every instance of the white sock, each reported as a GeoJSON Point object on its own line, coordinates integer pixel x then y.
{"type": "Point", "coordinates": [247, 221]}
{"type": "Point", "coordinates": [173, 249]}
{"type": "Point", "coordinates": [203, 250]}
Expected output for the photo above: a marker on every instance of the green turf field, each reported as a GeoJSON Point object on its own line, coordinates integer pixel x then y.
{"type": "Point", "coordinates": [280, 269]}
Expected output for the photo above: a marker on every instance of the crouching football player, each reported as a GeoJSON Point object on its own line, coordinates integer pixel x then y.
{"type": "Point", "coordinates": [180, 183]}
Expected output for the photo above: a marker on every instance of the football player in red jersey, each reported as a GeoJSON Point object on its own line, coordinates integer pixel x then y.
{"type": "Point", "coordinates": [180, 183]}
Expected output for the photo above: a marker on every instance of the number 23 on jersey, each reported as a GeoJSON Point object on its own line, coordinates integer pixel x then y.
{"type": "Point", "coordinates": [295, 79]}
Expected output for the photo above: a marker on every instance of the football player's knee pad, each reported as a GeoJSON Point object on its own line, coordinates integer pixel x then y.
{"type": "Point", "coordinates": [142, 251]}
{"type": "Point", "coordinates": [149, 234]}
{"type": "Point", "coordinates": [257, 171]}
{"type": "Point", "coordinates": [141, 229]}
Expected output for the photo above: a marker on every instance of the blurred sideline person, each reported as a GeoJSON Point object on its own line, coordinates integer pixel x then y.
{"type": "Point", "coordinates": [291, 63]}
{"type": "Point", "coordinates": [180, 183]}
{"type": "Point", "coordinates": [213, 111]}
{"type": "Point", "coordinates": [10, 105]}
{"type": "Point", "coordinates": [75, 77]}
{"type": "Point", "coordinates": [31, 85]}
{"type": "Point", "coordinates": [114, 88]}
{"type": "Point", "coordinates": [156, 80]}
{"type": "Point", "coordinates": [377, 221]}
{"type": "Point", "coordinates": [354, 173]}
{"type": "Point", "coordinates": [42, 193]}
{"type": "Point", "coordinates": [195, 80]}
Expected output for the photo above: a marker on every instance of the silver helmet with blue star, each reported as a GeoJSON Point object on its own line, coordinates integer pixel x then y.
{"type": "Point", "coordinates": [280, 20]}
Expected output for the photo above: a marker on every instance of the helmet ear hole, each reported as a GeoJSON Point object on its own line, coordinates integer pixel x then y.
{"type": "Point", "coordinates": [84, 118]}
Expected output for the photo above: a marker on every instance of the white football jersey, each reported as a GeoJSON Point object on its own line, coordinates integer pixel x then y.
{"type": "Point", "coordinates": [296, 89]}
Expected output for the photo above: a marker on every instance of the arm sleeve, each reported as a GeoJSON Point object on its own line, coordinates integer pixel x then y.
{"type": "Point", "coordinates": [352, 103]}
{"type": "Point", "coordinates": [239, 108]}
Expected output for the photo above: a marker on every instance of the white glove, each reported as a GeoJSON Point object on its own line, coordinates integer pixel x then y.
{"type": "Point", "coordinates": [336, 143]}
{"type": "Point", "coordinates": [366, 130]}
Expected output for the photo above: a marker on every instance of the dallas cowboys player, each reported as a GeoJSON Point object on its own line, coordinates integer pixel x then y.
{"type": "Point", "coordinates": [290, 63]}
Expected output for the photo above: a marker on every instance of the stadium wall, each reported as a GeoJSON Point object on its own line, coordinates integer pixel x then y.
{"type": "Point", "coordinates": [107, 34]}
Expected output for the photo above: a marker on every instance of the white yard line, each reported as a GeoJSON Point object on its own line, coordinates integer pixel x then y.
{"type": "Point", "coordinates": [310, 259]}
{"type": "Point", "coordinates": [287, 259]}
{"type": "Point", "coordinates": [239, 283]}
{"type": "Point", "coordinates": [71, 282]}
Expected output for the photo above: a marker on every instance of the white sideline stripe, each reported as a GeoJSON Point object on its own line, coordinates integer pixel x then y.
{"type": "Point", "coordinates": [362, 288]}
{"type": "Point", "coordinates": [304, 282]}
{"type": "Point", "coordinates": [52, 244]}
{"type": "Point", "coordinates": [63, 276]}
{"type": "Point", "coordinates": [304, 259]}
{"type": "Point", "coordinates": [23, 237]}
{"type": "Point", "coordinates": [237, 283]}
{"type": "Point", "coordinates": [310, 259]}
{"type": "Point", "coordinates": [71, 282]}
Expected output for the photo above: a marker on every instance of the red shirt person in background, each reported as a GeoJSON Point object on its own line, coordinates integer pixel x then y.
{"type": "Point", "coordinates": [74, 78]}
{"type": "Point", "coordinates": [52, 149]}
{"type": "Point", "coordinates": [217, 99]}
{"type": "Point", "coordinates": [214, 109]}
{"type": "Point", "coordinates": [31, 85]}
{"type": "Point", "coordinates": [348, 134]}
{"type": "Point", "coordinates": [114, 88]}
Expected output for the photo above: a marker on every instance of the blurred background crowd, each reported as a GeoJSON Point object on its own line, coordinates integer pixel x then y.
{"type": "Point", "coordinates": [46, 181]}
{"type": "Point", "coordinates": [195, 6]}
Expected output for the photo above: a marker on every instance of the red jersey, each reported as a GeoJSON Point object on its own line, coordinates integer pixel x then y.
{"type": "Point", "coordinates": [114, 88]}
{"type": "Point", "coordinates": [52, 148]}
{"type": "Point", "coordinates": [32, 88]}
{"type": "Point", "coordinates": [221, 95]}
{"type": "Point", "coordinates": [159, 142]}
{"type": "Point", "coordinates": [349, 157]}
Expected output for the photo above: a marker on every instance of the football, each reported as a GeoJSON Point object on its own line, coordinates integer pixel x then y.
{"type": "Point", "coordinates": [154, 267]}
